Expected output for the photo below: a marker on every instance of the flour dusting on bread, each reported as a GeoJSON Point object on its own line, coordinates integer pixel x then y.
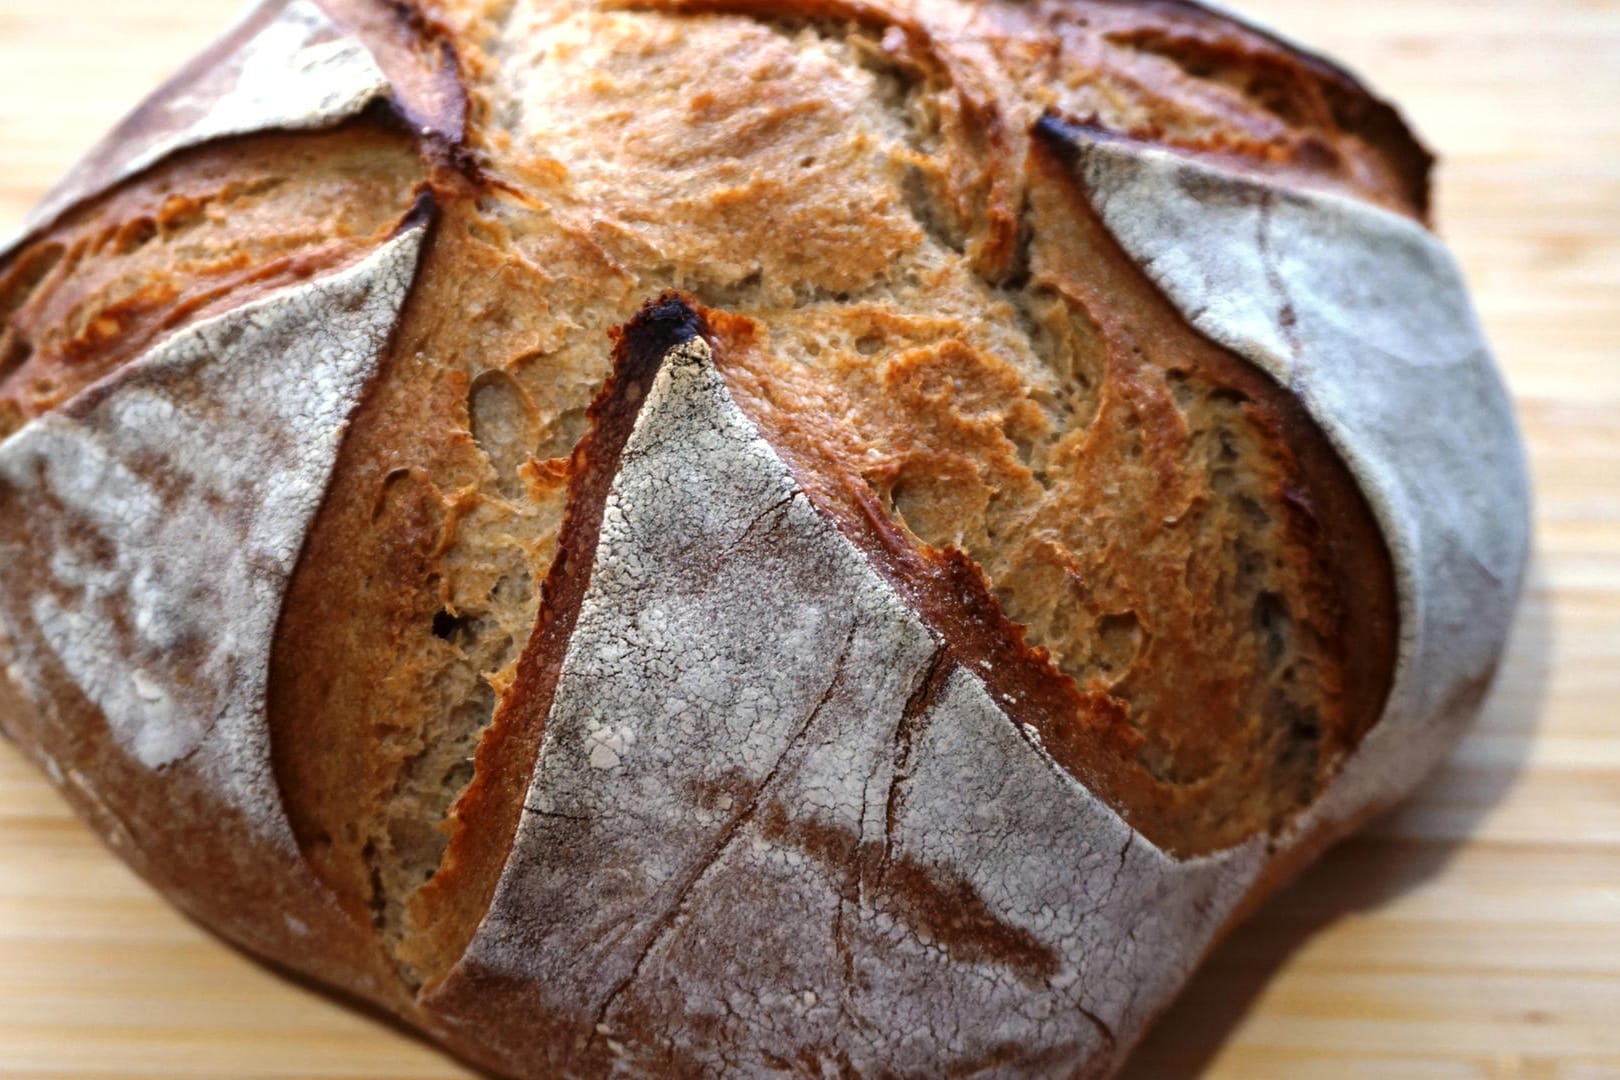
{"type": "Point", "coordinates": [181, 490]}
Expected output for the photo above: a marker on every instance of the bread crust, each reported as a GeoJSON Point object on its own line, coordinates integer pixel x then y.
{"type": "Point", "coordinates": [918, 314]}
{"type": "Point", "coordinates": [144, 657]}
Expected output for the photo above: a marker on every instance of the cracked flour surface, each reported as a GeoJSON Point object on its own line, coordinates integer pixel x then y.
{"type": "Point", "coordinates": [771, 812]}
{"type": "Point", "coordinates": [1364, 314]}
{"type": "Point", "coordinates": [182, 487]}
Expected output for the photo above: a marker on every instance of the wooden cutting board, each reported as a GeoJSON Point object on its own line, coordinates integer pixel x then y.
{"type": "Point", "coordinates": [1473, 934]}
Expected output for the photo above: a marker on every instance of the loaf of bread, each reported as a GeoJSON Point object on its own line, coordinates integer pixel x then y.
{"type": "Point", "coordinates": [746, 537]}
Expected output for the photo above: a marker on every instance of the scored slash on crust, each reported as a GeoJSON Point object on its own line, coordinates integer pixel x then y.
{"type": "Point", "coordinates": [798, 751]}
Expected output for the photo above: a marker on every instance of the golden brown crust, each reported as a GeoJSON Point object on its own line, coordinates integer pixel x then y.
{"type": "Point", "coordinates": [1258, 102]}
{"type": "Point", "coordinates": [1170, 72]}
{"type": "Point", "coordinates": [404, 602]}
{"type": "Point", "coordinates": [205, 232]}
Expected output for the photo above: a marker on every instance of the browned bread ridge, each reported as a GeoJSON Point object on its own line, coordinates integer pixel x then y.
{"type": "Point", "coordinates": [872, 223]}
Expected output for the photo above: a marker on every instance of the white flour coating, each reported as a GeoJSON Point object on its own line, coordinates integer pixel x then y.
{"type": "Point", "coordinates": [168, 504]}
{"type": "Point", "coordinates": [791, 845]}
{"type": "Point", "coordinates": [1364, 315]}
{"type": "Point", "coordinates": [299, 72]}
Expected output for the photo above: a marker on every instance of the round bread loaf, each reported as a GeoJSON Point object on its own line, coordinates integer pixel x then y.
{"type": "Point", "coordinates": [735, 538]}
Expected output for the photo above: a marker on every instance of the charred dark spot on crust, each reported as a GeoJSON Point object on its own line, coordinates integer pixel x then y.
{"type": "Point", "coordinates": [423, 212]}
{"type": "Point", "coordinates": [660, 326]}
{"type": "Point", "coordinates": [1064, 134]}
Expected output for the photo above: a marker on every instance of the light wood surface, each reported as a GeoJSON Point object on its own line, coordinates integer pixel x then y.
{"type": "Point", "coordinates": [1473, 934]}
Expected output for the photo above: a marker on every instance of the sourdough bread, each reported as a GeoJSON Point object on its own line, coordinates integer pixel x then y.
{"type": "Point", "coordinates": [712, 537]}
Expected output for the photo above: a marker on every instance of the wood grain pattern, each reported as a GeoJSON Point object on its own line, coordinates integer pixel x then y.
{"type": "Point", "coordinates": [1473, 934]}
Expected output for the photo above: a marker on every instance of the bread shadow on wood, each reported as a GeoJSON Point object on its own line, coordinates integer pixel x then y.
{"type": "Point", "coordinates": [353, 1003]}
{"type": "Point", "coordinates": [1362, 875]}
